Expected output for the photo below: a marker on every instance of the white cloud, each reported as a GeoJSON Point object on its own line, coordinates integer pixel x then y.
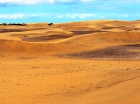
{"type": "Point", "coordinates": [51, 1]}
{"type": "Point", "coordinates": [25, 2]}
{"type": "Point", "coordinates": [71, 15]}
{"type": "Point", "coordinates": [102, 16]}
{"type": "Point", "coordinates": [23, 16]}
{"type": "Point", "coordinates": [77, 16]}
{"type": "Point", "coordinates": [64, 1]}
{"type": "Point", "coordinates": [44, 15]}
{"type": "Point", "coordinates": [124, 15]}
{"type": "Point", "coordinates": [86, 15]}
{"type": "Point", "coordinates": [59, 16]}
{"type": "Point", "coordinates": [87, 0]}
{"type": "Point", "coordinates": [47, 16]}
{"type": "Point", "coordinates": [34, 2]}
{"type": "Point", "coordinates": [12, 16]}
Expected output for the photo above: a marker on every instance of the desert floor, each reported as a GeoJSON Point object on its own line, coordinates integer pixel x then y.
{"type": "Point", "coordinates": [92, 62]}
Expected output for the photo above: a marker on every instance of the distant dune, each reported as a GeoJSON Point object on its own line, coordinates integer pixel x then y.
{"type": "Point", "coordinates": [91, 62]}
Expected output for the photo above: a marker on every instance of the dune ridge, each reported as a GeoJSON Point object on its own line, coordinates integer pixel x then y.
{"type": "Point", "coordinates": [102, 43]}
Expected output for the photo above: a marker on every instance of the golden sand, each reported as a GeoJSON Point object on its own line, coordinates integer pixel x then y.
{"type": "Point", "coordinates": [92, 62]}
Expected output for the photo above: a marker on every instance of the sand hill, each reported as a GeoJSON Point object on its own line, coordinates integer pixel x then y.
{"type": "Point", "coordinates": [91, 62]}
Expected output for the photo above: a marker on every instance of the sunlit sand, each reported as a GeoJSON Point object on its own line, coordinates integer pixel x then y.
{"type": "Point", "coordinates": [92, 62]}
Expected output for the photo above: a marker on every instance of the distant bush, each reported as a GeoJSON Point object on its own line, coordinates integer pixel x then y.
{"type": "Point", "coordinates": [50, 24]}
{"type": "Point", "coordinates": [4, 24]}
{"type": "Point", "coordinates": [14, 24]}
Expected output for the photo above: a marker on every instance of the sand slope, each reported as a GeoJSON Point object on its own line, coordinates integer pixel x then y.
{"type": "Point", "coordinates": [92, 62]}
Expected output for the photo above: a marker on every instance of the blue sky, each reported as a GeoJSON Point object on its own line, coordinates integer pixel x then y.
{"type": "Point", "coordinates": [67, 10]}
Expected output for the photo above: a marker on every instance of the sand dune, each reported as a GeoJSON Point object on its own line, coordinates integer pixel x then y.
{"type": "Point", "coordinates": [91, 62]}
{"type": "Point", "coordinates": [126, 52]}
